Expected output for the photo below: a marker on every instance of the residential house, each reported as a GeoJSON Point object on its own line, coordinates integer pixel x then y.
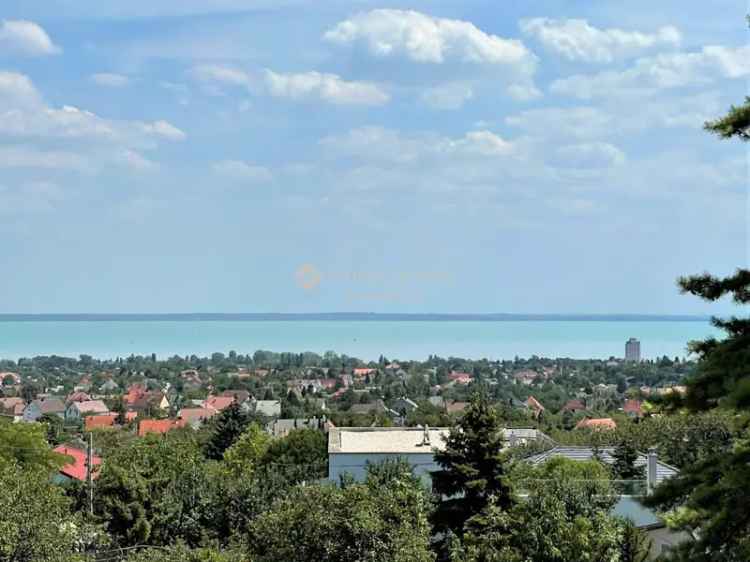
{"type": "Point", "coordinates": [282, 427]}
{"type": "Point", "coordinates": [158, 426]}
{"type": "Point", "coordinates": [77, 396]}
{"type": "Point", "coordinates": [633, 408]}
{"type": "Point", "coordinates": [662, 538]}
{"type": "Point", "coordinates": [268, 408]}
{"type": "Point", "coordinates": [526, 376]}
{"type": "Point", "coordinates": [105, 420]}
{"type": "Point", "coordinates": [240, 396]}
{"type": "Point", "coordinates": [460, 378]}
{"type": "Point", "coordinates": [12, 408]}
{"type": "Point", "coordinates": [535, 406]}
{"type": "Point", "coordinates": [597, 423]}
{"type": "Point", "coordinates": [523, 436]}
{"type": "Point", "coordinates": [404, 406]}
{"type": "Point", "coordinates": [76, 467]}
{"type": "Point", "coordinates": [109, 387]}
{"type": "Point", "coordinates": [351, 449]}
{"type": "Point", "coordinates": [456, 407]}
{"type": "Point", "coordinates": [218, 403]}
{"type": "Point", "coordinates": [45, 406]}
{"type": "Point", "coordinates": [377, 407]}
{"type": "Point", "coordinates": [77, 410]}
{"type": "Point", "coordinates": [573, 406]}
{"type": "Point", "coordinates": [196, 416]}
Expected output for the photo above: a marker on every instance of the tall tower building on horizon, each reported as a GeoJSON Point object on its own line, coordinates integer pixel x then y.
{"type": "Point", "coordinates": [633, 350]}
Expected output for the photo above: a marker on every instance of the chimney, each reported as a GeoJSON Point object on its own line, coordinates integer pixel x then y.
{"type": "Point", "coordinates": [651, 471]}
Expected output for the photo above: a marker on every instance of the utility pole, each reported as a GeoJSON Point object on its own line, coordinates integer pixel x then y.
{"type": "Point", "coordinates": [89, 472]}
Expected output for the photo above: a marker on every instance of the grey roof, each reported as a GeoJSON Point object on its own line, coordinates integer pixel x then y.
{"type": "Point", "coordinates": [663, 470]}
{"type": "Point", "coordinates": [268, 407]}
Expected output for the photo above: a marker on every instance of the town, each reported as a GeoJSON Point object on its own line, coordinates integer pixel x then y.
{"type": "Point", "coordinates": [309, 418]}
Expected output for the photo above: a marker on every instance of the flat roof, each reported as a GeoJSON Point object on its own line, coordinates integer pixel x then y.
{"type": "Point", "coordinates": [396, 440]}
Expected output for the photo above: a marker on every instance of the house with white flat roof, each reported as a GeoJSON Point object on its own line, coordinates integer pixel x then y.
{"type": "Point", "coordinates": [351, 449]}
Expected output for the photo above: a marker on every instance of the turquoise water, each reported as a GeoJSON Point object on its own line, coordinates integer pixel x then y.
{"type": "Point", "coordinates": [367, 340]}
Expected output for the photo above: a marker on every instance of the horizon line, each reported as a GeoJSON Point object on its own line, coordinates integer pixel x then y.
{"type": "Point", "coordinates": [342, 316]}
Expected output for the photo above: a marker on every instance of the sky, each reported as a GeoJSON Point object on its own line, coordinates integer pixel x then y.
{"type": "Point", "coordinates": [422, 156]}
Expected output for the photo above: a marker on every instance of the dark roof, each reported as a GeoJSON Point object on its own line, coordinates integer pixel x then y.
{"type": "Point", "coordinates": [663, 470]}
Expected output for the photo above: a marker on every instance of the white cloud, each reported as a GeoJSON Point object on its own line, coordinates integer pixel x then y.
{"type": "Point", "coordinates": [24, 114]}
{"type": "Point", "coordinates": [239, 170]}
{"type": "Point", "coordinates": [448, 96]}
{"type": "Point", "coordinates": [110, 80]}
{"type": "Point", "coordinates": [134, 160]}
{"type": "Point", "coordinates": [30, 157]}
{"type": "Point", "coordinates": [386, 145]}
{"type": "Point", "coordinates": [25, 38]}
{"type": "Point", "coordinates": [664, 71]}
{"type": "Point", "coordinates": [311, 85]}
{"type": "Point", "coordinates": [575, 122]}
{"type": "Point", "coordinates": [426, 39]}
{"type": "Point", "coordinates": [590, 155]}
{"type": "Point", "coordinates": [17, 90]}
{"type": "Point", "coordinates": [523, 92]}
{"type": "Point", "coordinates": [326, 87]}
{"type": "Point", "coordinates": [222, 74]}
{"type": "Point", "coordinates": [577, 40]}
{"type": "Point", "coordinates": [165, 130]}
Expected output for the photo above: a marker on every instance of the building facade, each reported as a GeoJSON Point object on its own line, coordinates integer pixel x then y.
{"type": "Point", "coordinates": [633, 350]}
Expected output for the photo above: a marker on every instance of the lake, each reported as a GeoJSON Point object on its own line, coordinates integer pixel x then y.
{"type": "Point", "coordinates": [364, 339]}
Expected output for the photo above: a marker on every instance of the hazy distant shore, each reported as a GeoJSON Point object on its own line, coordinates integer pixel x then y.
{"type": "Point", "coordinates": [347, 317]}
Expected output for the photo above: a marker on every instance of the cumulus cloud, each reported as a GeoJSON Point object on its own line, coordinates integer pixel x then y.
{"type": "Point", "coordinates": [110, 80]}
{"type": "Point", "coordinates": [25, 38]}
{"type": "Point", "coordinates": [664, 71]}
{"type": "Point", "coordinates": [577, 40]}
{"type": "Point", "coordinates": [239, 170]}
{"type": "Point", "coordinates": [387, 145]}
{"type": "Point", "coordinates": [312, 85]}
{"type": "Point", "coordinates": [523, 92]}
{"type": "Point", "coordinates": [134, 160]}
{"type": "Point", "coordinates": [327, 87]}
{"type": "Point", "coordinates": [426, 39]}
{"type": "Point", "coordinates": [222, 74]}
{"type": "Point", "coordinates": [25, 114]}
{"type": "Point", "coordinates": [448, 96]}
{"type": "Point", "coordinates": [590, 155]}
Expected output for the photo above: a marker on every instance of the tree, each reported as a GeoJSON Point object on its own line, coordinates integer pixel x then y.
{"type": "Point", "coordinates": [226, 429]}
{"type": "Point", "coordinates": [301, 455]}
{"type": "Point", "coordinates": [473, 468]}
{"type": "Point", "coordinates": [635, 545]}
{"type": "Point", "coordinates": [373, 521]}
{"type": "Point", "coordinates": [25, 445]}
{"type": "Point", "coordinates": [36, 524]}
{"type": "Point", "coordinates": [245, 454]}
{"type": "Point", "coordinates": [565, 517]}
{"type": "Point", "coordinates": [710, 496]}
{"type": "Point", "coordinates": [623, 467]}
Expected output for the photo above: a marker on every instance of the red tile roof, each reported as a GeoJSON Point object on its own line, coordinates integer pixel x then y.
{"type": "Point", "coordinates": [76, 467]}
{"type": "Point", "coordinates": [78, 397]}
{"type": "Point", "coordinates": [190, 415]}
{"type": "Point", "coordinates": [158, 426]}
{"type": "Point", "coordinates": [597, 423]}
{"type": "Point", "coordinates": [534, 404]}
{"type": "Point", "coordinates": [573, 406]}
{"type": "Point", "coordinates": [218, 402]}
{"type": "Point", "coordinates": [633, 407]}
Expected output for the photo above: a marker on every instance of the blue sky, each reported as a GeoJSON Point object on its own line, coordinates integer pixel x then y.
{"type": "Point", "coordinates": [293, 156]}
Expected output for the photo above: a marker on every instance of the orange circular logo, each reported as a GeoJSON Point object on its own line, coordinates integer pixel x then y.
{"type": "Point", "coordinates": [308, 277]}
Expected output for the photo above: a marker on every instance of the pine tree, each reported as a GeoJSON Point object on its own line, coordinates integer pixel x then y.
{"type": "Point", "coordinates": [474, 468]}
{"type": "Point", "coordinates": [625, 455]}
{"type": "Point", "coordinates": [712, 494]}
{"type": "Point", "coordinates": [227, 427]}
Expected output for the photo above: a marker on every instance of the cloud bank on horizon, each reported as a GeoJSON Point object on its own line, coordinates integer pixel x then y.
{"type": "Point", "coordinates": [189, 156]}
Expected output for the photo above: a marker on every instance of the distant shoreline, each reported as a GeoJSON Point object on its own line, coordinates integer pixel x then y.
{"type": "Point", "coordinates": [350, 317]}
